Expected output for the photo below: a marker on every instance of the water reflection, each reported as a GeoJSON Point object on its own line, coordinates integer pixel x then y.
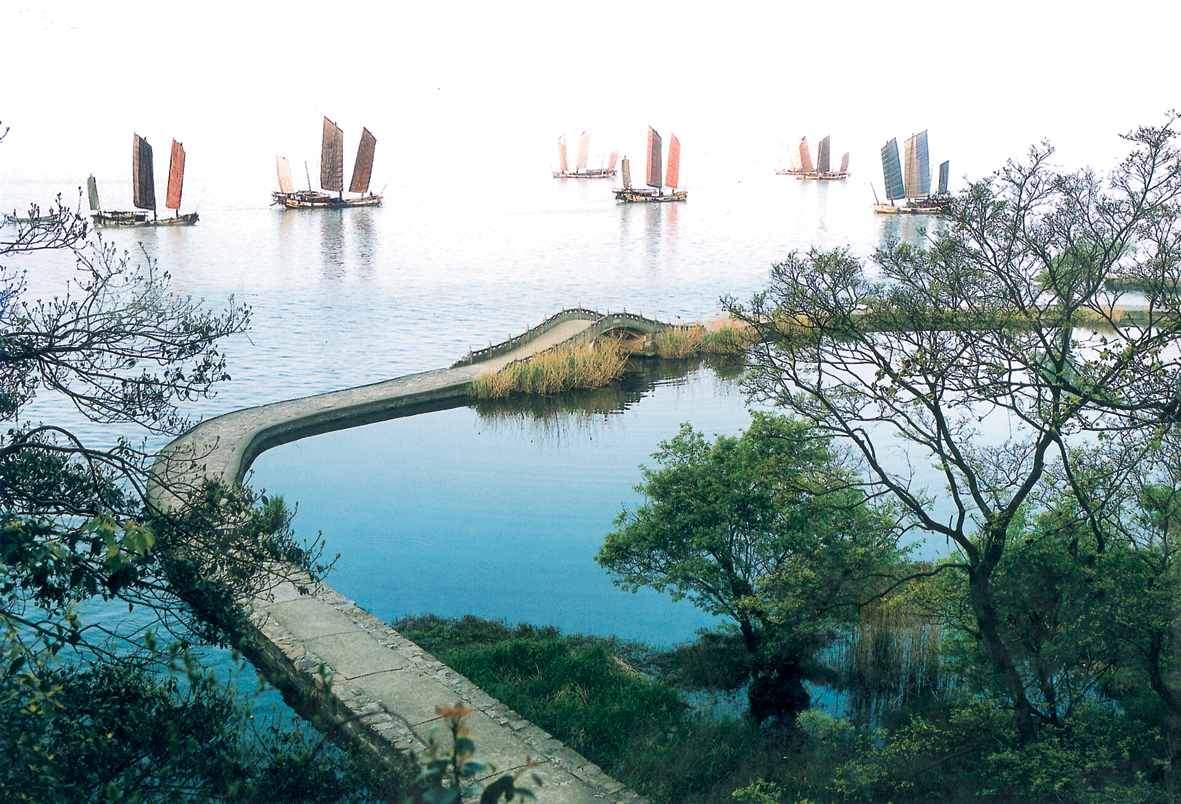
{"type": "Point", "coordinates": [913, 229]}
{"type": "Point", "coordinates": [331, 242]}
{"type": "Point", "coordinates": [586, 412]}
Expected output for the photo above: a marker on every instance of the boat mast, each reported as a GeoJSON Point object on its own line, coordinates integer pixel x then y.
{"type": "Point", "coordinates": [176, 177]}
{"type": "Point", "coordinates": [143, 177]}
{"type": "Point", "coordinates": [654, 159]}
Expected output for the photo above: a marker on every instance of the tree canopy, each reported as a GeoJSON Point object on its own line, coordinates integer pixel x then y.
{"type": "Point", "coordinates": [1003, 353]}
{"type": "Point", "coordinates": [766, 529]}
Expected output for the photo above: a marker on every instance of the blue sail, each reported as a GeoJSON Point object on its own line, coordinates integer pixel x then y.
{"type": "Point", "coordinates": [892, 171]}
{"type": "Point", "coordinates": [944, 170]}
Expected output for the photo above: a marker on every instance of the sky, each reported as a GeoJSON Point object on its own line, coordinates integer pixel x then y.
{"type": "Point", "coordinates": [451, 88]}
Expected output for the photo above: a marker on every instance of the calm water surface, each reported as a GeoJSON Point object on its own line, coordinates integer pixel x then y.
{"type": "Point", "coordinates": [449, 512]}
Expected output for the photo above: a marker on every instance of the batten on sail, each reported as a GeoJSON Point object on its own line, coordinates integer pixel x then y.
{"type": "Point", "coordinates": [143, 177]}
{"type": "Point", "coordinates": [892, 171]}
{"type": "Point", "coordinates": [92, 192]}
{"type": "Point", "coordinates": [944, 175]}
{"type": "Point", "coordinates": [654, 158]}
{"type": "Point", "coordinates": [176, 177]}
{"type": "Point", "coordinates": [363, 167]}
{"type": "Point", "coordinates": [563, 165]}
{"type": "Point", "coordinates": [805, 156]}
{"type": "Point", "coordinates": [822, 156]}
{"type": "Point", "coordinates": [283, 170]}
{"type": "Point", "coordinates": [332, 158]}
{"type": "Point", "coordinates": [583, 150]}
{"type": "Point", "coordinates": [917, 178]}
{"type": "Point", "coordinates": [673, 173]}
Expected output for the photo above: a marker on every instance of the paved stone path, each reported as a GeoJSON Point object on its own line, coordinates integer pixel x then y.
{"type": "Point", "coordinates": [386, 688]}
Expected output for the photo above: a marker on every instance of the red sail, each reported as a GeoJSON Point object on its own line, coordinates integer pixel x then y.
{"type": "Point", "coordinates": [614, 158]}
{"type": "Point", "coordinates": [583, 150]}
{"type": "Point", "coordinates": [143, 177]}
{"type": "Point", "coordinates": [332, 158]}
{"type": "Point", "coordinates": [805, 157]}
{"type": "Point", "coordinates": [176, 176]}
{"type": "Point", "coordinates": [563, 165]}
{"type": "Point", "coordinates": [363, 167]}
{"type": "Point", "coordinates": [673, 175]}
{"type": "Point", "coordinates": [653, 158]}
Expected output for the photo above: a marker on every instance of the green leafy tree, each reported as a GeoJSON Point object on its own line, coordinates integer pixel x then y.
{"type": "Point", "coordinates": [766, 529]}
{"type": "Point", "coordinates": [1002, 317]}
{"type": "Point", "coordinates": [80, 718]}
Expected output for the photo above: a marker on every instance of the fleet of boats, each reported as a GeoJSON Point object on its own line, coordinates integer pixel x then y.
{"type": "Point", "coordinates": [801, 166]}
{"type": "Point", "coordinates": [331, 175]}
{"type": "Point", "coordinates": [143, 185]}
{"type": "Point", "coordinates": [910, 181]}
{"type": "Point", "coordinates": [907, 177]}
{"type": "Point", "coordinates": [581, 171]}
{"type": "Point", "coordinates": [654, 192]}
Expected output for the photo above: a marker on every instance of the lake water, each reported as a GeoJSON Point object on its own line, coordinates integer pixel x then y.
{"type": "Point", "coordinates": [450, 512]}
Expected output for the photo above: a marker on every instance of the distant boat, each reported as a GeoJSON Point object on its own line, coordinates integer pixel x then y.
{"type": "Point", "coordinates": [143, 184]}
{"type": "Point", "coordinates": [654, 193]}
{"type": "Point", "coordinates": [912, 186]}
{"type": "Point", "coordinates": [801, 166]}
{"type": "Point", "coordinates": [331, 174]}
{"type": "Point", "coordinates": [581, 171]}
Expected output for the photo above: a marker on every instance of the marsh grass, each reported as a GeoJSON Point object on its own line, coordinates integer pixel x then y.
{"type": "Point", "coordinates": [682, 342]}
{"type": "Point", "coordinates": [587, 365]}
{"type": "Point", "coordinates": [889, 658]}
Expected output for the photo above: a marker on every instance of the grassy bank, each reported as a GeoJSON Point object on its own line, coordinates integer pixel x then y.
{"type": "Point", "coordinates": [598, 363]}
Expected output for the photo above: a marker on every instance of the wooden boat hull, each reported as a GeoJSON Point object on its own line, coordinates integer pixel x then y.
{"type": "Point", "coordinates": [831, 176]}
{"type": "Point", "coordinates": [141, 219]}
{"type": "Point", "coordinates": [310, 199]}
{"type": "Point", "coordinates": [594, 173]}
{"type": "Point", "coordinates": [928, 207]}
{"type": "Point", "coordinates": [634, 195]}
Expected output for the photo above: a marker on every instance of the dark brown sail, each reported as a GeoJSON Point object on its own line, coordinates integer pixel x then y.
{"type": "Point", "coordinates": [176, 176]}
{"type": "Point", "coordinates": [332, 158]}
{"type": "Point", "coordinates": [653, 158]}
{"type": "Point", "coordinates": [143, 177]}
{"type": "Point", "coordinates": [363, 167]}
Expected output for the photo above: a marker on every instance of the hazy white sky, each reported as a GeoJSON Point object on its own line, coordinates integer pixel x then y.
{"type": "Point", "coordinates": [447, 87]}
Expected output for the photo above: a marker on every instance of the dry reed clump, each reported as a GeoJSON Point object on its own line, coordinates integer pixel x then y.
{"type": "Point", "coordinates": [589, 365]}
{"type": "Point", "coordinates": [682, 342]}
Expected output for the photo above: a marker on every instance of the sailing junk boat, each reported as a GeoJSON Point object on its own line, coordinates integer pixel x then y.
{"type": "Point", "coordinates": [800, 159]}
{"type": "Point", "coordinates": [331, 174]}
{"type": "Point", "coordinates": [581, 171]}
{"type": "Point", "coordinates": [143, 182]}
{"type": "Point", "coordinates": [912, 185]}
{"type": "Point", "coordinates": [654, 193]}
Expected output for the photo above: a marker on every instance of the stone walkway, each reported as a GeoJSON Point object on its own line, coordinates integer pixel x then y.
{"type": "Point", "coordinates": [385, 687]}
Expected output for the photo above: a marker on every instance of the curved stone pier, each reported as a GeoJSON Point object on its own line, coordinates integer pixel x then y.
{"type": "Point", "coordinates": [386, 688]}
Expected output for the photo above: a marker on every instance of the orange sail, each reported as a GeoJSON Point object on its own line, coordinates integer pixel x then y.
{"type": "Point", "coordinates": [583, 150]}
{"type": "Point", "coordinates": [143, 177]}
{"type": "Point", "coordinates": [363, 167]}
{"type": "Point", "coordinates": [563, 165]}
{"type": "Point", "coordinates": [614, 157]}
{"type": "Point", "coordinates": [176, 176]}
{"type": "Point", "coordinates": [283, 169]}
{"type": "Point", "coordinates": [805, 157]}
{"type": "Point", "coordinates": [673, 174]}
{"type": "Point", "coordinates": [653, 158]}
{"type": "Point", "coordinates": [332, 158]}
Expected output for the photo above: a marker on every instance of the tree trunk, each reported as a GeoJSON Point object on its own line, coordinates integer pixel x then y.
{"type": "Point", "coordinates": [983, 606]}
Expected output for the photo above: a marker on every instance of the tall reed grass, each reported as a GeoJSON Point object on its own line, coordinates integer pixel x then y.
{"type": "Point", "coordinates": [891, 656]}
{"type": "Point", "coordinates": [682, 342]}
{"type": "Point", "coordinates": [565, 368]}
